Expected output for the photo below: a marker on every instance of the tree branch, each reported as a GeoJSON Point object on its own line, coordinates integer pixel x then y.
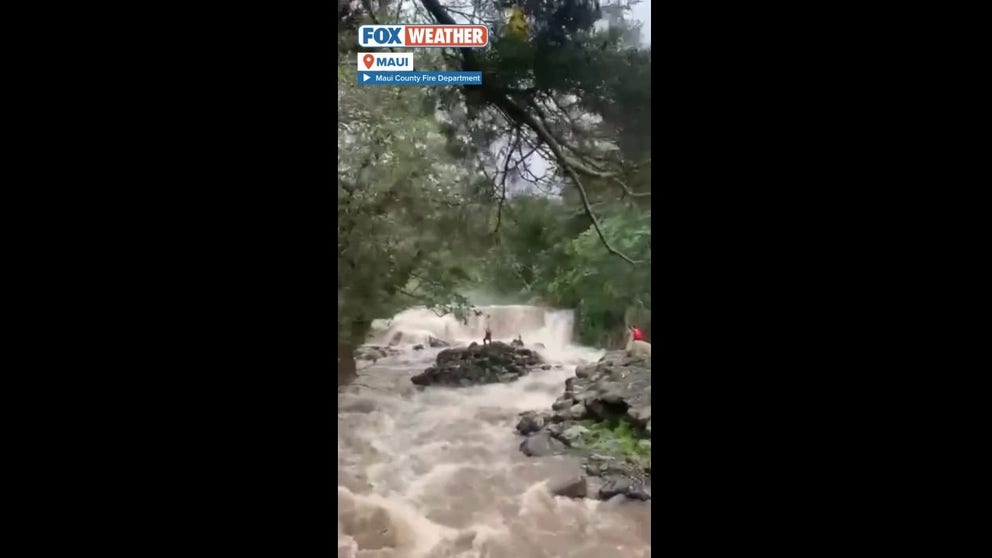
{"type": "Point", "coordinates": [506, 172]}
{"type": "Point", "coordinates": [515, 113]}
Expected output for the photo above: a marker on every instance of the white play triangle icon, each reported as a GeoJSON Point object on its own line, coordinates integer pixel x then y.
{"type": "Point", "coordinates": [365, 77]}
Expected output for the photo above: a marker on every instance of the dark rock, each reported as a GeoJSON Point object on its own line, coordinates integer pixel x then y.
{"type": "Point", "coordinates": [571, 487]}
{"type": "Point", "coordinates": [562, 403]}
{"type": "Point", "coordinates": [418, 347]}
{"type": "Point", "coordinates": [477, 364]}
{"type": "Point", "coordinates": [631, 487]}
{"type": "Point", "coordinates": [585, 371]}
{"type": "Point", "coordinates": [546, 367]}
{"type": "Point", "coordinates": [577, 411]}
{"type": "Point", "coordinates": [397, 338]}
{"type": "Point", "coordinates": [530, 422]}
{"type": "Point", "coordinates": [618, 387]}
{"type": "Point", "coordinates": [541, 445]}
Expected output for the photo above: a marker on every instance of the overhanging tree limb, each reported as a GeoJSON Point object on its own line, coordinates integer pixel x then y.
{"type": "Point", "coordinates": [511, 110]}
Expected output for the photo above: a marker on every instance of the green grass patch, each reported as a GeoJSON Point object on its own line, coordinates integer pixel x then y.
{"type": "Point", "coordinates": [615, 436]}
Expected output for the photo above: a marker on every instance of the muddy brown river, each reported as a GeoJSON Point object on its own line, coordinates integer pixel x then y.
{"type": "Point", "coordinates": [436, 472]}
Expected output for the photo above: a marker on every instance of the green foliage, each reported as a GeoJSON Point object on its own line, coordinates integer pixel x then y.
{"type": "Point", "coordinates": [615, 436]}
{"type": "Point", "coordinates": [549, 251]}
{"type": "Point", "coordinates": [403, 208]}
{"type": "Point", "coordinates": [417, 216]}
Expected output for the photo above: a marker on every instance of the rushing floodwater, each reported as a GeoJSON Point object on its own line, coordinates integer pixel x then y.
{"type": "Point", "coordinates": [437, 473]}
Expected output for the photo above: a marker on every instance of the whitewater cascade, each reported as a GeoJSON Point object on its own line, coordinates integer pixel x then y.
{"type": "Point", "coordinates": [436, 472]}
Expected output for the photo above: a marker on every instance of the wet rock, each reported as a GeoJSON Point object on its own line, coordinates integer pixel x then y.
{"type": "Point", "coordinates": [640, 415]}
{"type": "Point", "coordinates": [530, 422]}
{"type": "Point", "coordinates": [418, 347]}
{"type": "Point", "coordinates": [630, 487]}
{"type": "Point", "coordinates": [434, 342]}
{"type": "Point", "coordinates": [617, 388]}
{"type": "Point", "coordinates": [574, 432]}
{"type": "Point", "coordinates": [541, 445]}
{"type": "Point", "coordinates": [546, 367]}
{"type": "Point", "coordinates": [585, 371]}
{"type": "Point", "coordinates": [562, 403]}
{"type": "Point", "coordinates": [577, 411]}
{"type": "Point", "coordinates": [485, 364]}
{"type": "Point", "coordinates": [571, 487]}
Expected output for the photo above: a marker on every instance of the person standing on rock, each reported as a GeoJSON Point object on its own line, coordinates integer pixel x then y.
{"type": "Point", "coordinates": [488, 339]}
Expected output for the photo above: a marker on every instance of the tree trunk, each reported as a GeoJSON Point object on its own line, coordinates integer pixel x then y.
{"type": "Point", "coordinates": [346, 364]}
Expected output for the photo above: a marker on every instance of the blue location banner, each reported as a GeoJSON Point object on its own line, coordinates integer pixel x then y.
{"type": "Point", "coordinates": [419, 78]}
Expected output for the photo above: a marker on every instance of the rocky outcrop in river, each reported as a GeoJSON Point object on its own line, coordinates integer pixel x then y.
{"type": "Point", "coordinates": [603, 418]}
{"type": "Point", "coordinates": [479, 364]}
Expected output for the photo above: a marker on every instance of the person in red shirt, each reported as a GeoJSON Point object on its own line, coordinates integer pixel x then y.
{"type": "Point", "coordinates": [638, 334]}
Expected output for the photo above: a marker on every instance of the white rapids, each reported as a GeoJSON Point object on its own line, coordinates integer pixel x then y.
{"type": "Point", "coordinates": [436, 472]}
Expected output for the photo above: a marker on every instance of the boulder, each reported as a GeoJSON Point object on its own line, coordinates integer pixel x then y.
{"type": "Point", "coordinates": [640, 416]}
{"type": "Point", "coordinates": [574, 432]}
{"type": "Point", "coordinates": [562, 403]}
{"type": "Point", "coordinates": [631, 487]}
{"type": "Point", "coordinates": [571, 487]}
{"type": "Point", "coordinates": [478, 364]}
{"type": "Point", "coordinates": [577, 411]}
{"type": "Point", "coordinates": [617, 389]}
{"type": "Point", "coordinates": [541, 445]}
{"type": "Point", "coordinates": [585, 371]}
{"type": "Point", "coordinates": [530, 422]}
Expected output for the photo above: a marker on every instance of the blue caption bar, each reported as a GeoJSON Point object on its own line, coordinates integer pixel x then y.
{"type": "Point", "coordinates": [419, 78]}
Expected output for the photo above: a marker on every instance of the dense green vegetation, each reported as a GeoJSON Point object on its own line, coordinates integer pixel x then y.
{"type": "Point", "coordinates": [441, 191]}
{"type": "Point", "coordinates": [617, 437]}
